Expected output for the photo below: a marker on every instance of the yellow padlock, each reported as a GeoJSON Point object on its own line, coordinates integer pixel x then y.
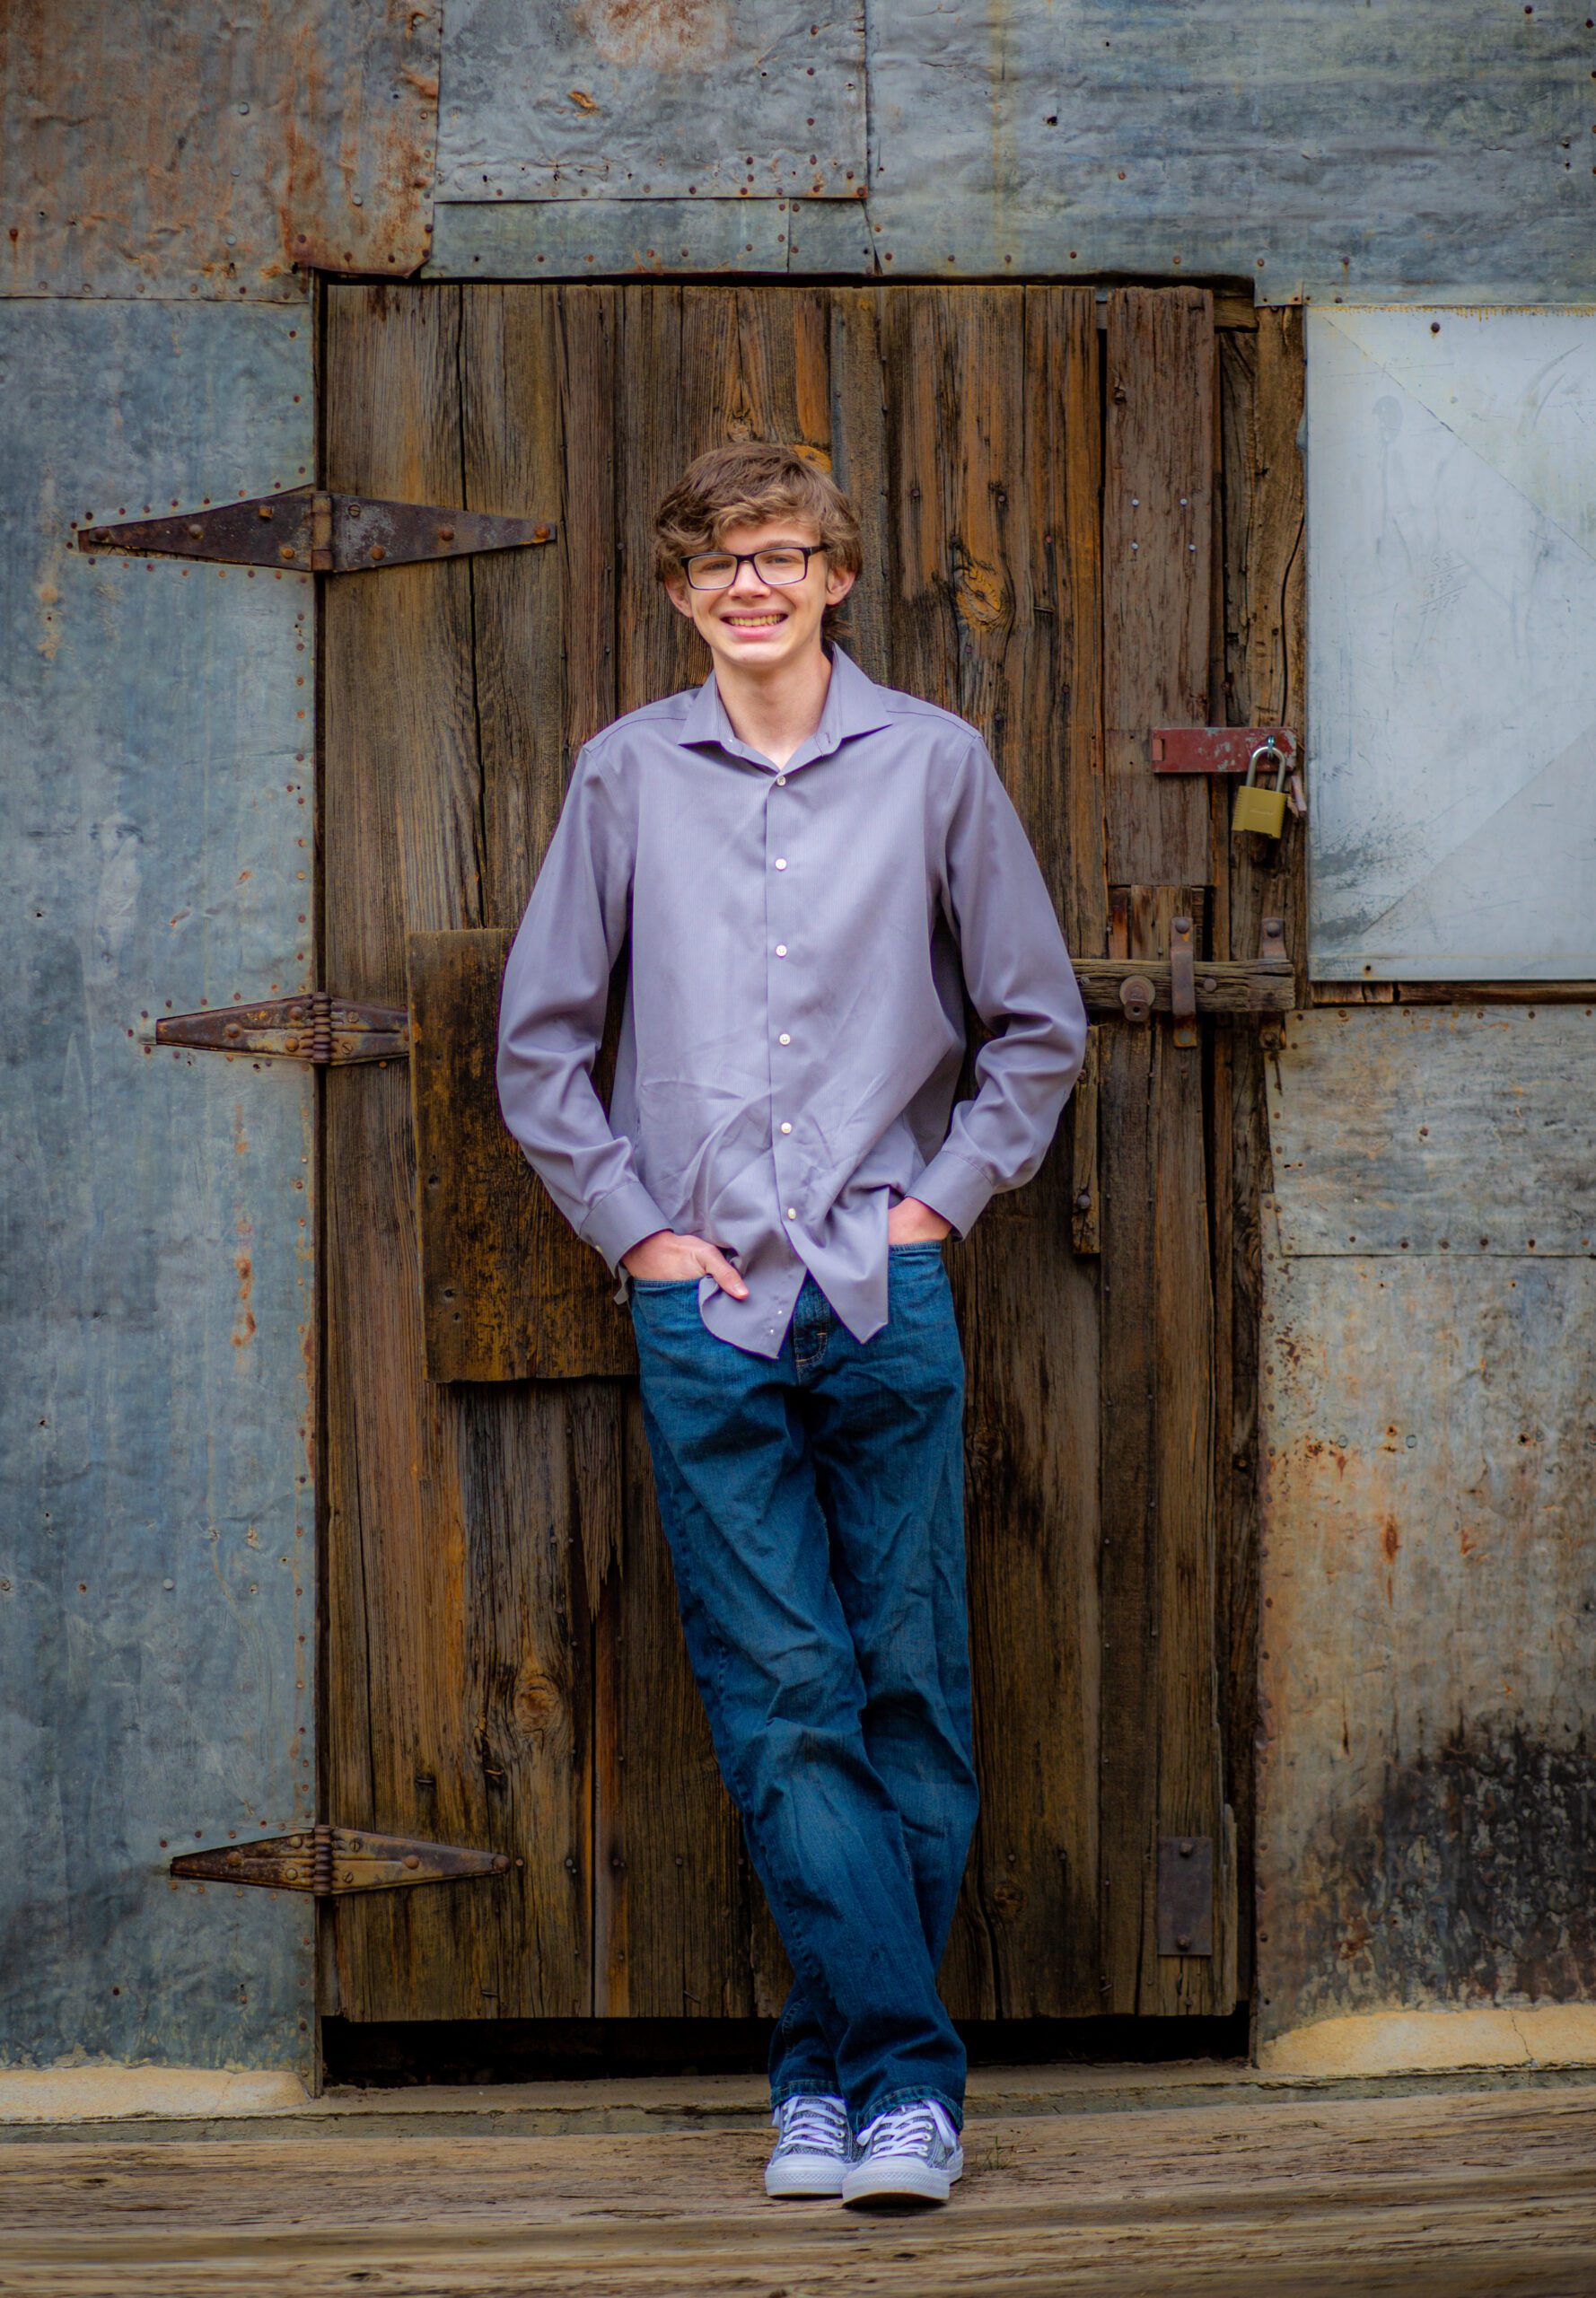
{"type": "Point", "coordinates": [1263, 810]}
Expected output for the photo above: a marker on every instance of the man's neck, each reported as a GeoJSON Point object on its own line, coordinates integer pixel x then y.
{"type": "Point", "coordinates": [776, 712]}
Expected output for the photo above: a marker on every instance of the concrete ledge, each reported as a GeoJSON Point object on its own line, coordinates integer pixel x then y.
{"type": "Point", "coordinates": [148, 2105]}
{"type": "Point", "coordinates": [1433, 2042]}
{"type": "Point", "coordinates": [71, 2094]}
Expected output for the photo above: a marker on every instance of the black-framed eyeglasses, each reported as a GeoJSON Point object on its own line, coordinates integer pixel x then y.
{"type": "Point", "coordinates": [717, 570]}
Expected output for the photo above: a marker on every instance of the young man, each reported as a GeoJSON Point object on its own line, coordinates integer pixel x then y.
{"type": "Point", "coordinates": [811, 868]}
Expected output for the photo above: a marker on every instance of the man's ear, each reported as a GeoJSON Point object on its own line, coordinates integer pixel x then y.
{"type": "Point", "coordinates": [839, 582]}
{"type": "Point", "coordinates": [676, 591]}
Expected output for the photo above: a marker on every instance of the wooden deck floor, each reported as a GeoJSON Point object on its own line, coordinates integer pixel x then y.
{"type": "Point", "coordinates": [1473, 2196]}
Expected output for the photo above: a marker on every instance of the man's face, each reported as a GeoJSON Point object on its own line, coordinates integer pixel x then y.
{"type": "Point", "coordinates": [757, 624]}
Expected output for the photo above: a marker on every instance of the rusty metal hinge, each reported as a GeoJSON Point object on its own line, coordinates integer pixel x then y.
{"type": "Point", "coordinates": [331, 1861]}
{"type": "Point", "coordinates": [1186, 1895]}
{"type": "Point", "coordinates": [314, 1026]}
{"type": "Point", "coordinates": [1214, 750]}
{"type": "Point", "coordinates": [306, 531]}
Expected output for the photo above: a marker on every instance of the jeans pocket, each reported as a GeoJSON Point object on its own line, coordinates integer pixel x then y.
{"type": "Point", "coordinates": [662, 1284]}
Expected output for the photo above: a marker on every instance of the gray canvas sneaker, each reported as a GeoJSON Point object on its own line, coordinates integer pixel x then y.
{"type": "Point", "coordinates": [910, 2154]}
{"type": "Point", "coordinates": [813, 2148]}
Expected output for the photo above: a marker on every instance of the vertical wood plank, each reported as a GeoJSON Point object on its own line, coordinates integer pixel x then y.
{"type": "Point", "coordinates": [860, 464]}
{"type": "Point", "coordinates": [537, 388]}
{"type": "Point", "coordinates": [1162, 1771]}
{"type": "Point", "coordinates": [1261, 382]}
{"type": "Point", "coordinates": [1157, 544]}
{"type": "Point", "coordinates": [456, 1665]}
{"type": "Point", "coordinates": [993, 611]}
{"type": "Point", "coordinates": [680, 1924]}
{"type": "Point", "coordinates": [673, 1886]}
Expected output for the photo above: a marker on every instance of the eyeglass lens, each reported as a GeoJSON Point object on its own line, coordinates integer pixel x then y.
{"type": "Point", "coordinates": [716, 570]}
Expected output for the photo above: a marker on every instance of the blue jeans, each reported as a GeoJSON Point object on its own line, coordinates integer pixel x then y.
{"type": "Point", "coordinates": [814, 1507]}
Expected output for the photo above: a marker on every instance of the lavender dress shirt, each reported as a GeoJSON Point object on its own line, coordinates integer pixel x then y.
{"type": "Point", "coordinates": [794, 1029]}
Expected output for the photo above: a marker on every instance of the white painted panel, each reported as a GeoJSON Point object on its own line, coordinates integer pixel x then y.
{"type": "Point", "coordinates": [1451, 618]}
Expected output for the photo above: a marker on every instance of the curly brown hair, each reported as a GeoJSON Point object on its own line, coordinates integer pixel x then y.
{"type": "Point", "coordinates": [752, 483]}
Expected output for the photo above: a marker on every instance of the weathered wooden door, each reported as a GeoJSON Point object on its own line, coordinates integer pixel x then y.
{"type": "Point", "coordinates": [502, 1664]}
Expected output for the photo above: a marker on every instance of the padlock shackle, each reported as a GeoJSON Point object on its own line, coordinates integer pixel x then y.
{"type": "Point", "coordinates": [1268, 749]}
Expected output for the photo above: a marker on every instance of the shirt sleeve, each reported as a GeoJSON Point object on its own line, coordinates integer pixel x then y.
{"type": "Point", "coordinates": [1021, 982]}
{"type": "Point", "coordinates": [551, 1020]}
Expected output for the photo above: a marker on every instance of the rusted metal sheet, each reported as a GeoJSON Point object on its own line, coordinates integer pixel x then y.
{"type": "Point", "coordinates": [1436, 1129]}
{"type": "Point", "coordinates": [149, 149]}
{"type": "Point", "coordinates": [156, 1574]}
{"type": "Point", "coordinates": [1428, 1761]}
{"type": "Point", "coordinates": [653, 100]}
{"type": "Point", "coordinates": [1452, 565]}
{"type": "Point", "coordinates": [320, 533]}
{"type": "Point", "coordinates": [1389, 151]}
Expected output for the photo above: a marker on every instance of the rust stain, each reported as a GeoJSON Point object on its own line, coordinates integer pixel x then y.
{"type": "Point", "coordinates": [658, 35]}
{"type": "Point", "coordinates": [1390, 1539]}
{"type": "Point", "coordinates": [243, 1323]}
{"type": "Point", "coordinates": [583, 100]}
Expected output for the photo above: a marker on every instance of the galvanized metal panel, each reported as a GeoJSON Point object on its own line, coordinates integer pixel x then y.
{"type": "Point", "coordinates": [562, 239]}
{"type": "Point", "coordinates": [1435, 1130]}
{"type": "Point", "coordinates": [1428, 1815]}
{"type": "Point", "coordinates": [156, 1586]}
{"type": "Point", "coordinates": [153, 148]}
{"type": "Point", "coordinates": [652, 99]}
{"type": "Point", "coordinates": [1402, 148]}
{"type": "Point", "coordinates": [1451, 581]}
{"type": "Point", "coordinates": [1428, 1584]}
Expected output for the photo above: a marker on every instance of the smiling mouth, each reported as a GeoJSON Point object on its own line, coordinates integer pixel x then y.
{"type": "Point", "coordinates": [753, 621]}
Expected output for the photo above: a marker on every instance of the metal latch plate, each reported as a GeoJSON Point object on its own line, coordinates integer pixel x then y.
{"type": "Point", "coordinates": [1214, 750]}
{"type": "Point", "coordinates": [1186, 1895]}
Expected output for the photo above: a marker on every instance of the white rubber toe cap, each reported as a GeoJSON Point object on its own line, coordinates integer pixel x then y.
{"type": "Point", "coordinates": [791, 2177]}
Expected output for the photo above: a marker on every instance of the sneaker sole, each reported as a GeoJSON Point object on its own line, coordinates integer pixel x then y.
{"type": "Point", "coordinates": [904, 2180]}
{"type": "Point", "coordinates": [798, 2180]}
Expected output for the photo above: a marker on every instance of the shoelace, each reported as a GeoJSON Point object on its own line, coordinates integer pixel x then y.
{"type": "Point", "coordinates": [813, 2125]}
{"type": "Point", "coordinates": [908, 2130]}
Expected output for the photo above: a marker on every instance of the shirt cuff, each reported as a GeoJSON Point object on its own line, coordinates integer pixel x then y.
{"type": "Point", "coordinates": [622, 1220]}
{"type": "Point", "coordinates": [954, 1188]}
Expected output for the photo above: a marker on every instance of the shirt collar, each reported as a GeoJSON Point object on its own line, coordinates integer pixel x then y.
{"type": "Point", "coordinates": [855, 704]}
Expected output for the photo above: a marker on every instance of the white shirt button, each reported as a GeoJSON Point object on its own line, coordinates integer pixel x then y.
{"type": "Point", "coordinates": [781, 949]}
{"type": "Point", "coordinates": [781, 781]}
{"type": "Point", "coordinates": [786, 1129]}
{"type": "Point", "coordinates": [784, 1039]}
{"type": "Point", "coordinates": [791, 1212]}
{"type": "Point", "coordinates": [781, 865]}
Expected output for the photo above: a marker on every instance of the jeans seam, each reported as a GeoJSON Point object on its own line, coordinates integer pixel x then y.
{"type": "Point", "coordinates": [803, 2090]}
